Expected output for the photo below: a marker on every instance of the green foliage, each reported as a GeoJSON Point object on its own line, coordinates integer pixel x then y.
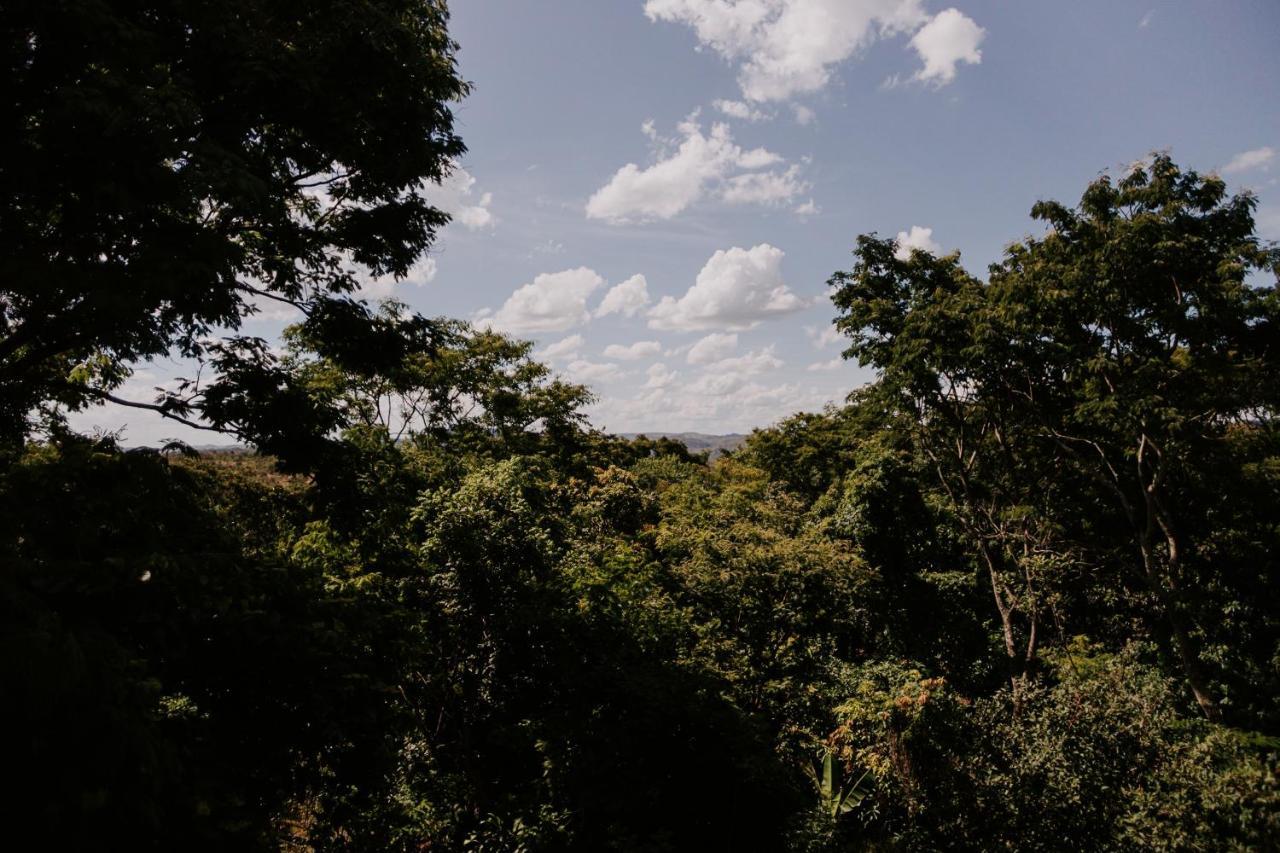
{"type": "Point", "coordinates": [1100, 756]}
{"type": "Point", "coordinates": [1107, 757]}
{"type": "Point", "coordinates": [158, 652]}
{"type": "Point", "coordinates": [771, 598]}
{"type": "Point", "coordinates": [169, 166]}
{"type": "Point", "coordinates": [434, 610]}
{"type": "Point", "coordinates": [1102, 368]}
{"type": "Point", "coordinates": [839, 794]}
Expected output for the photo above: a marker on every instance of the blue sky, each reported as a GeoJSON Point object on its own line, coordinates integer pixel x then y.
{"type": "Point", "coordinates": [728, 152]}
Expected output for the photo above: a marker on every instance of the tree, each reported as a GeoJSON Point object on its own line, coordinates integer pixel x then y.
{"type": "Point", "coordinates": [925, 323]}
{"type": "Point", "coordinates": [169, 166]}
{"type": "Point", "coordinates": [1101, 365]}
{"type": "Point", "coordinates": [391, 373]}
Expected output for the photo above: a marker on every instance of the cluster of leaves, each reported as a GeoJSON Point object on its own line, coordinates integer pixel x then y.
{"type": "Point", "coordinates": [169, 168]}
{"type": "Point", "coordinates": [1018, 594]}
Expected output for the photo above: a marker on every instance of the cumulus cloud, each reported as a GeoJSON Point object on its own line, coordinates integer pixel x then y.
{"type": "Point", "coordinates": [740, 110]}
{"type": "Point", "coordinates": [713, 347]}
{"type": "Point", "coordinates": [456, 196]}
{"type": "Point", "coordinates": [710, 385]}
{"type": "Point", "coordinates": [736, 289]}
{"type": "Point", "coordinates": [552, 302]}
{"type": "Point", "coordinates": [717, 404]}
{"type": "Point", "coordinates": [822, 366]}
{"type": "Point", "coordinates": [422, 273]}
{"type": "Point", "coordinates": [565, 348]}
{"type": "Point", "coordinates": [916, 238]}
{"type": "Point", "coordinates": [687, 169]}
{"type": "Point", "coordinates": [587, 372]}
{"type": "Point", "coordinates": [784, 48]}
{"type": "Point", "coordinates": [822, 336]}
{"type": "Point", "coordinates": [627, 298]}
{"type": "Point", "coordinates": [731, 375]}
{"type": "Point", "coordinates": [950, 38]}
{"type": "Point", "coordinates": [756, 361]}
{"type": "Point", "coordinates": [659, 376]}
{"type": "Point", "coordinates": [638, 350]}
{"type": "Point", "coordinates": [765, 188]}
{"type": "Point", "coordinates": [1249, 160]}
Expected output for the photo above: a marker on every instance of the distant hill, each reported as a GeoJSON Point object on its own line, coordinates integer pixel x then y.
{"type": "Point", "coordinates": [696, 441]}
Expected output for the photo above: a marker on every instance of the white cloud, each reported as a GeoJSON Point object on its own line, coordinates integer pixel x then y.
{"type": "Point", "coordinates": [686, 169]}
{"type": "Point", "coordinates": [949, 39]}
{"type": "Point", "coordinates": [715, 404]}
{"type": "Point", "coordinates": [757, 158]}
{"type": "Point", "coordinates": [376, 289]}
{"type": "Point", "coordinates": [756, 361]}
{"type": "Point", "coordinates": [1249, 160]}
{"type": "Point", "coordinates": [917, 238]}
{"type": "Point", "coordinates": [455, 195]}
{"type": "Point", "coordinates": [590, 371]}
{"type": "Point", "coordinates": [740, 110]}
{"type": "Point", "coordinates": [822, 366]}
{"type": "Point", "coordinates": [565, 348]}
{"type": "Point", "coordinates": [627, 298]}
{"type": "Point", "coordinates": [822, 336]}
{"type": "Point", "coordinates": [638, 350]}
{"type": "Point", "coordinates": [714, 385]}
{"type": "Point", "coordinates": [809, 208]}
{"type": "Point", "coordinates": [713, 347]}
{"type": "Point", "coordinates": [660, 376]}
{"type": "Point", "coordinates": [729, 375]}
{"type": "Point", "coordinates": [785, 48]}
{"type": "Point", "coordinates": [736, 289]}
{"type": "Point", "coordinates": [553, 302]}
{"type": "Point", "coordinates": [764, 187]}
{"type": "Point", "coordinates": [1146, 19]}
{"type": "Point", "coordinates": [422, 273]}
{"type": "Point", "coordinates": [804, 115]}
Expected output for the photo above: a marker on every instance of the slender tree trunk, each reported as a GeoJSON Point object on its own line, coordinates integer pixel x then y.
{"type": "Point", "coordinates": [1005, 609]}
{"type": "Point", "coordinates": [1188, 653]}
{"type": "Point", "coordinates": [1179, 629]}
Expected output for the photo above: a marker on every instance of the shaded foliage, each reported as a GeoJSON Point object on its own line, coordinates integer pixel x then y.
{"type": "Point", "coordinates": [1019, 593]}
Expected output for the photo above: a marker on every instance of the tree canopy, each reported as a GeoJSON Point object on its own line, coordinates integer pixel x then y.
{"type": "Point", "coordinates": [170, 167]}
{"type": "Point", "coordinates": [1120, 352]}
{"type": "Point", "coordinates": [1018, 593]}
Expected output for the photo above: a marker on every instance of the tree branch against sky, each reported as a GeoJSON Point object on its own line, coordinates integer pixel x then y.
{"type": "Point", "coordinates": [179, 160]}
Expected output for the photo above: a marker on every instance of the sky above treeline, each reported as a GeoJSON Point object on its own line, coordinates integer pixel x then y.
{"type": "Point", "coordinates": [656, 191]}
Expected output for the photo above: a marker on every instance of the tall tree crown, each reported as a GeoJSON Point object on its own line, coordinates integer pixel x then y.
{"type": "Point", "coordinates": [168, 165]}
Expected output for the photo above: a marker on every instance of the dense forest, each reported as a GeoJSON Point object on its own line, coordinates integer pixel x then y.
{"type": "Point", "coordinates": [1018, 593]}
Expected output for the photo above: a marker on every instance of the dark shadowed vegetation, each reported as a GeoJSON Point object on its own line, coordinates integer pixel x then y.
{"type": "Point", "coordinates": [1019, 593]}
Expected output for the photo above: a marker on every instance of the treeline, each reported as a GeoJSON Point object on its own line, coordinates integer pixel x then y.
{"type": "Point", "coordinates": [1018, 594]}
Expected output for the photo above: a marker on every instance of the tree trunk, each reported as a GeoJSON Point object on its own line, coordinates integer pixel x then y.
{"type": "Point", "coordinates": [1179, 629]}
{"type": "Point", "coordinates": [1005, 609]}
